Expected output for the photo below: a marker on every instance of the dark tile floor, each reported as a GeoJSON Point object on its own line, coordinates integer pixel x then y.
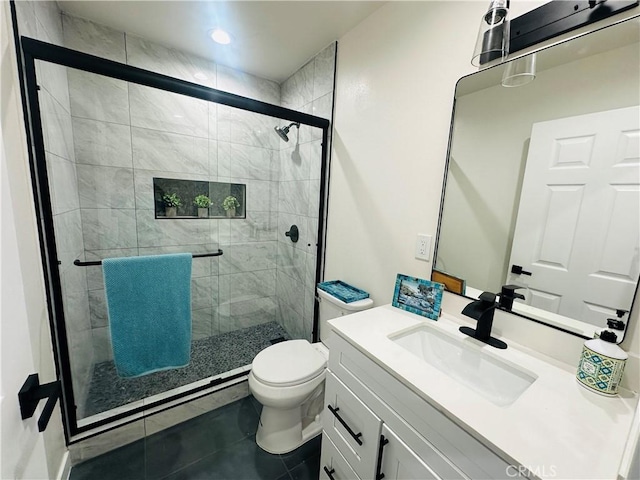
{"type": "Point", "coordinates": [217, 445]}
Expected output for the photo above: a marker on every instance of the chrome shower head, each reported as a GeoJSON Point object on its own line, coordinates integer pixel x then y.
{"type": "Point", "coordinates": [283, 131]}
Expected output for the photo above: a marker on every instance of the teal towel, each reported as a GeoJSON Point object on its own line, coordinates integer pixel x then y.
{"type": "Point", "coordinates": [149, 306]}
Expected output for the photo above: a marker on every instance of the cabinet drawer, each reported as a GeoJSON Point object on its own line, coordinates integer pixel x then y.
{"type": "Point", "coordinates": [332, 463]}
{"type": "Point", "coordinates": [353, 428]}
{"type": "Point", "coordinates": [399, 462]}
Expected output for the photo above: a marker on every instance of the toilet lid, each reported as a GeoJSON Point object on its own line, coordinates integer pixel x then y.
{"type": "Point", "coordinates": [288, 363]}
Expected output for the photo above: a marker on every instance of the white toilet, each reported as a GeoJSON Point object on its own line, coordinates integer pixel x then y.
{"type": "Point", "coordinates": [288, 380]}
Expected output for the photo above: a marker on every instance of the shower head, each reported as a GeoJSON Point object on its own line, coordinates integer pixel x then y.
{"type": "Point", "coordinates": [283, 131]}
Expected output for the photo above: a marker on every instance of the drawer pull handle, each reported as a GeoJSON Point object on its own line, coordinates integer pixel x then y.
{"type": "Point", "coordinates": [329, 473]}
{"type": "Point", "coordinates": [383, 442]}
{"type": "Point", "coordinates": [356, 436]}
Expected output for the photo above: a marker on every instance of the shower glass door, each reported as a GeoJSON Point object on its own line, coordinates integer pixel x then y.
{"type": "Point", "coordinates": [114, 152]}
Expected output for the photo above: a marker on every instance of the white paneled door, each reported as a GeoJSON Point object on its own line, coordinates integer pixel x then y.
{"type": "Point", "coordinates": [22, 447]}
{"type": "Point", "coordinates": [578, 224]}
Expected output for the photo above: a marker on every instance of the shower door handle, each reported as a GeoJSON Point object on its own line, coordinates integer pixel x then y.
{"type": "Point", "coordinates": [293, 233]}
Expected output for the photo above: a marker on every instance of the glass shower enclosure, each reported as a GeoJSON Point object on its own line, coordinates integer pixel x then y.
{"type": "Point", "coordinates": [110, 163]}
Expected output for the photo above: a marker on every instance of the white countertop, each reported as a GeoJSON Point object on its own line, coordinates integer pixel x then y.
{"type": "Point", "coordinates": [556, 428]}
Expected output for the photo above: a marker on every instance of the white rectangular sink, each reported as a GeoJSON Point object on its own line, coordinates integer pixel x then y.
{"type": "Point", "coordinates": [467, 363]}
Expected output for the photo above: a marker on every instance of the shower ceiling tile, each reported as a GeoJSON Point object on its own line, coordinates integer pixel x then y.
{"type": "Point", "coordinates": [102, 143]}
{"type": "Point", "coordinates": [168, 112]}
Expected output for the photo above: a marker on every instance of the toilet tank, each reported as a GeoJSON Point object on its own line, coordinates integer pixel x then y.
{"type": "Point", "coordinates": [332, 307]}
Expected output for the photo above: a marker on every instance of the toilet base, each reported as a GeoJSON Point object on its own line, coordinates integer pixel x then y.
{"type": "Point", "coordinates": [280, 431]}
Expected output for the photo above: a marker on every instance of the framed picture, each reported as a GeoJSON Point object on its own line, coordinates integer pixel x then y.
{"type": "Point", "coordinates": [418, 296]}
{"type": "Point", "coordinates": [451, 283]}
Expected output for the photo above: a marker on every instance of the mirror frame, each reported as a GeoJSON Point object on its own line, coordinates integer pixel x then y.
{"type": "Point", "coordinates": [635, 18]}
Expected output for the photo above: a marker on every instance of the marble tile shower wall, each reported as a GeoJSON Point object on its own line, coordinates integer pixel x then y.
{"type": "Point", "coordinates": [125, 134]}
{"type": "Point", "coordinates": [309, 90]}
{"type": "Point", "coordinates": [42, 20]}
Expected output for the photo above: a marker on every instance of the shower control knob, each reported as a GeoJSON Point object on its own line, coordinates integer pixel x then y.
{"type": "Point", "coordinates": [293, 233]}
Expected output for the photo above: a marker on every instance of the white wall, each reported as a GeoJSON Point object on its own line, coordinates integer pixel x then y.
{"type": "Point", "coordinates": [26, 300]}
{"type": "Point", "coordinates": [396, 76]}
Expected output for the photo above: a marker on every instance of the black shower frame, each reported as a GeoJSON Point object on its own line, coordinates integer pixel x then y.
{"type": "Point", "coordinates": [32, 50]}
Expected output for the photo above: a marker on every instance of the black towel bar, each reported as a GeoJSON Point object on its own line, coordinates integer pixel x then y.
{"type": "Point", "coordinates": [195, 255]}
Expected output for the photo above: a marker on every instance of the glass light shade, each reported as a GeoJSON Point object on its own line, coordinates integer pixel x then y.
{"type": "Point", "coordinates": [520, 71]}
{"type": "Point", "coordinates": [493, 35]}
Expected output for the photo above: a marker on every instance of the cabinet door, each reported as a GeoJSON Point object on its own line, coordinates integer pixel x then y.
{"type": "Point", "coordinates": [399, 462]}
{"type": "Point", "coordinates": [333, 466]}
{"type": "Point", "coordinates": [353, 428]}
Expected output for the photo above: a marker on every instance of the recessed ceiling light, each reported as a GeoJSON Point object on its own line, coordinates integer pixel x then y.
{"type": "Point", "coordinates": [220, 36]}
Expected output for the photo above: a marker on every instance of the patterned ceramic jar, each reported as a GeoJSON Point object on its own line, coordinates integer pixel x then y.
{"type": "Point", "coordinates": [602, 364]}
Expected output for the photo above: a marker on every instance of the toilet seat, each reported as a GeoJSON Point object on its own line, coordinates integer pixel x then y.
{"type": "Point", "coordinates": [288, 363]}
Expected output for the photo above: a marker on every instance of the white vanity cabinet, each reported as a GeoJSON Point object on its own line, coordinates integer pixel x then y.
{"type": "Point", "coordinates": [374, 425]}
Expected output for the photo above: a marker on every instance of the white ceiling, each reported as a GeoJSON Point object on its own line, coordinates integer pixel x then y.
{"type": "Point", "coordinates": [271, 39]}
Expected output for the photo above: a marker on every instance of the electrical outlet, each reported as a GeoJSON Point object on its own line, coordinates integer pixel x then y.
{"type": "Point", "coordinates": [423, 246]}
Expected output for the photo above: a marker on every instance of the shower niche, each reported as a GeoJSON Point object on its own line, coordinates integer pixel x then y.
{"type": "Point", "coordinates": [227, 200]}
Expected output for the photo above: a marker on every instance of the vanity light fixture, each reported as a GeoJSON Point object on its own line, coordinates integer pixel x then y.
{"type": "Point", "coordinates": [493, 35]}
{"type": "Point", "coordinates": [520, 71]}
{"type": "Point", "coordinates": [220, 36]}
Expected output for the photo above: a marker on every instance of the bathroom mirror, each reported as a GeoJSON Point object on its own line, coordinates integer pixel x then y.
{"type": "Point", "coordinates": [542, 183]}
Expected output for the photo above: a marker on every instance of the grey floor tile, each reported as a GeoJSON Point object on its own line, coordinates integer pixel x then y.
{"type": "Point", "coordinates": [302, 453]}
{"type": "Point", "coordinates": [242, 461]}
{"type": "Point", "coordinates": [177, 447]}
{"type": "Point", "coordinates": [125, 463]}
{"type": "Point", "coordinates": [307, 470]}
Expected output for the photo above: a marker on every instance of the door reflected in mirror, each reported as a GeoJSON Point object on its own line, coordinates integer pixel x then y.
{"type": "Point", "coordinates": [542, 184]}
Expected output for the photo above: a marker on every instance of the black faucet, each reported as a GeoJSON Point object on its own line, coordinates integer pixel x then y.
{"type": "Point", "coordinates": [482, 310]}
{"type": "Point", "coordinates": [508, 295]}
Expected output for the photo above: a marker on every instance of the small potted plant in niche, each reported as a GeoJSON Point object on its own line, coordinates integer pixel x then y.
{"type": "Point", "coordinates": [171, 204]}
{"type": "Point", "coordinates": [230, 204]}
{"type": "Point", "coordinates": [203, 203]}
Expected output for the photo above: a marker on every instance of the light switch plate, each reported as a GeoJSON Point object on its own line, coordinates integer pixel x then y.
{"type": "Point", "coordinates": [423, 246]}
